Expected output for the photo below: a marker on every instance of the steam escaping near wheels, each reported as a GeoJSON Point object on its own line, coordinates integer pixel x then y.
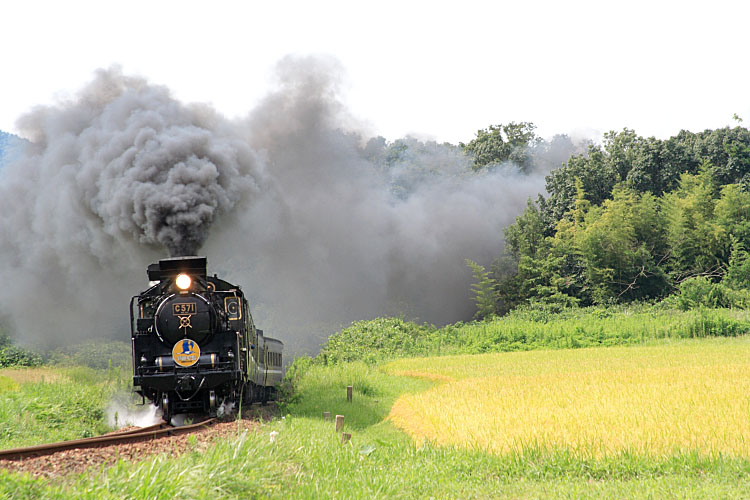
{"type": "Point", "coordinates": [122, 412]}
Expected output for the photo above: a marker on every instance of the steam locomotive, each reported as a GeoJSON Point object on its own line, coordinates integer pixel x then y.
{"type": "Point", "coordinates": [195, 346]}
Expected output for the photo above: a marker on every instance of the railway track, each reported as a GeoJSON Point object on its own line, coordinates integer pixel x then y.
{"type": "Point", "coordinates": [124, 437]}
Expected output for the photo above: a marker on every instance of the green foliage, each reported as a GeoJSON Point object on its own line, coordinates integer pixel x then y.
{"type": "Point", "coordinates": [629, 219]}
{"type": "Point", "coordinates": [692, 233]}
{"type": "Point", "coordinates": [95, 354]}
{"type": "Point", "coordinates": [320, 388]}
{"type": "Point", "coordinates": [378, 339]}
{"type": "Point", "coordinates": [592, 170]}
{"type": "Point", "coordinates": [548, 268]}
{"type": "Point", "coordinates": [737, 276]}
{"type": "Point", "coordinates": [527, 235]}
{"type": "Point", "coordinates": [298, 368]}
{"type": "Point", "coordinates": [505, 273]}
{"type": "Point", "coordinates": [11, 355]}
{"type": "Point", "coordinates": [649, 165]}
{"type": "Point", "coordinates": [729, 150]}
{"type": "Point", "coordinates": [503, 143]}
{"type": "Point", "coordinates": [732, 215]}
{"type": "Point", "coordinates": [7, 384]}
{"type": "Point", "coordinates": [542, 325]}
{"type": "Point", "coordinates": [700, 291]}
{"type": "Point", "coordinates": [70, 406]}
{"type": "Point", "coordinates": [622, 245]}
{"type": "Point", "coordinates": [407, 163]}
{"type": "Point", "coordinates": [612, 252]}
{"type": "Point", "coordinates": [484, 289]}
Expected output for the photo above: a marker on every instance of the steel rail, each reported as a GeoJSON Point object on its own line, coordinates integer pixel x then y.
{"type": "Point", "coordinates": [124, 437]}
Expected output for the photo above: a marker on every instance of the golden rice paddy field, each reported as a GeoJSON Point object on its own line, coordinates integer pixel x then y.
{"type": "Point", "coordinates": [684, 396]}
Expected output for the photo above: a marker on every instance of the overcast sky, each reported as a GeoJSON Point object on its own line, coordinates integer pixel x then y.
{"type": "Point", "coordinates": [437, 70]}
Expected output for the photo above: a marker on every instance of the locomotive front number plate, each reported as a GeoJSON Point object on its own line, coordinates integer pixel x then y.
{"type": "Point", "coordinates": [183, 308]}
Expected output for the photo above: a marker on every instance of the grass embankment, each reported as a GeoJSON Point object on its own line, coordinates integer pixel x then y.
{"type": "Point", "coordinates": [384, 339]}
{"type": "Point", "coordinates": [46, 404]}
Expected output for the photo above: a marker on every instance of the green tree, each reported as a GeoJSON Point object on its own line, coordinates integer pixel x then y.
{"type": "Point", "coordinates": [728, 150]}
{"type": "Point", "coordinates": [694, 237]}
{"type": "Point", "coordinates": [502, 143]}
{"type": "Point", "coordinates": [527, 245]}
{"type": "Point", "coordinates": [737, 276]}
{"type": "Point", "coordinates": [527, 235]}
{"type": "Point", "coordinates": [595, 173]}
{"type": "Point", "coordinates": [623, 249]}
{"type": "Point", "coordinates": [548, 269]}
{"type": "Point", "coordinates": [504, 271]}
{"type": "Point", "coordinates": [732, 213]}
{"type": "Point", "coordinates": [484, 290]}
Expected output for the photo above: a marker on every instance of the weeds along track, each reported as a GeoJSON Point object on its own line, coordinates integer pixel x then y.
{"type": "Point", "coordinates": [125, 437]}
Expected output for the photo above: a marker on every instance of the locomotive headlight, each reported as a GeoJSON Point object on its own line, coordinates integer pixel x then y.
{"type": "Point", "coordinates": [183, 281]}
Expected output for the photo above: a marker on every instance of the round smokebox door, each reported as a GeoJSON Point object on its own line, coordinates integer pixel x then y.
{"type": "Point", "coordinates": [184, 316]}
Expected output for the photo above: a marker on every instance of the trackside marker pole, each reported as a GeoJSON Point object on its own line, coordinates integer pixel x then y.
{"type": "Point", "coordinates": [349, 390]}
{"type": "Point", "coordinates": [326, 416]}
{"type": "Point", "coordinates": [339, 423]}
{"type": "Point", "coordinates": [345, 437]}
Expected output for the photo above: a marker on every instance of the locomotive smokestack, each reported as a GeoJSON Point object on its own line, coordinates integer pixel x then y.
{"type": "Point", "coordinates": [169, 268]}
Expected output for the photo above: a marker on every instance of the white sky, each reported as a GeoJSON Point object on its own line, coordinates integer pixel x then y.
{"type": "Point", "coordinates": [438, 70]}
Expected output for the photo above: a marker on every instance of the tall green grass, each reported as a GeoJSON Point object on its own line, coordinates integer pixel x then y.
{"type": "Point", "coordinates": [389, 338]}
{"type": "Point", "coordinates": [69, 407]}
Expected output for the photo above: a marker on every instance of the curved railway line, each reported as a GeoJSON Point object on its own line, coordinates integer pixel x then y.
{"type": "Point", "coordinates": [124, 437]}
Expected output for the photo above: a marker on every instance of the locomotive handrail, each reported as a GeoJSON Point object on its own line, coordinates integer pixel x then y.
{"type": "Point", "coordinates": [221, 366]}
{"type": "Point", "coordinates": [132, 318]}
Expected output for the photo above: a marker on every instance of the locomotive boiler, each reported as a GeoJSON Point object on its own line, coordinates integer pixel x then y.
{"type": "Point", "coordinates": [195, 346]}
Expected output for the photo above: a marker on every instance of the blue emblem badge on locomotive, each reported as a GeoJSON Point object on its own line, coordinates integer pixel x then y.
{"type": "Point", "coordinates": [186, 353]}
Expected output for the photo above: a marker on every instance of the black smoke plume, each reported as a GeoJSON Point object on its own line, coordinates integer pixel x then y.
{"type": "Point", "coordinates": [134, 164]}
{"type": "Point", "coordinates": [320, 226]}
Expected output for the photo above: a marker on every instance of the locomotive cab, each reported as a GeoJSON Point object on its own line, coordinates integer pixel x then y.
{"type": "Point", "coordinates": [192, 337]}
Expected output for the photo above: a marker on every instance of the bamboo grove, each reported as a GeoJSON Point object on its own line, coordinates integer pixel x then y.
{"type": "Point", "coordinates": [633, 219]}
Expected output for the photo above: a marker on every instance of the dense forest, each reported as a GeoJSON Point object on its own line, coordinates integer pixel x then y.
{"type": "Point", "coordinates": [632, 219]}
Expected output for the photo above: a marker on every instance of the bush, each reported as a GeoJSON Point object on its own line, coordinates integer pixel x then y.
{"type": "Point", "coordinates": [378, 339]}
{"type": "Point", "coordinates": [298, 368]}
{"type": "Point", "coordinates": [11, 355]}
{"type": "Point", "coordinates": [98, 355]}
{"type": "Point", "coordinates": [702, 292]}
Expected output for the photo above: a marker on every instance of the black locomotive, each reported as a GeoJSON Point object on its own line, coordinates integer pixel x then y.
{"type": "Point", "coordinates": [195, 346]}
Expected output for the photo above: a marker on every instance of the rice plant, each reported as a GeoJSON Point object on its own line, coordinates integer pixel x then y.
{"type": "Point", "coordinates": [656, 400]}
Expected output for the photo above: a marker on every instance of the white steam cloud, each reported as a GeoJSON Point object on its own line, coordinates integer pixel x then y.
{"type": "Point", "coordinates": [319, 226]}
